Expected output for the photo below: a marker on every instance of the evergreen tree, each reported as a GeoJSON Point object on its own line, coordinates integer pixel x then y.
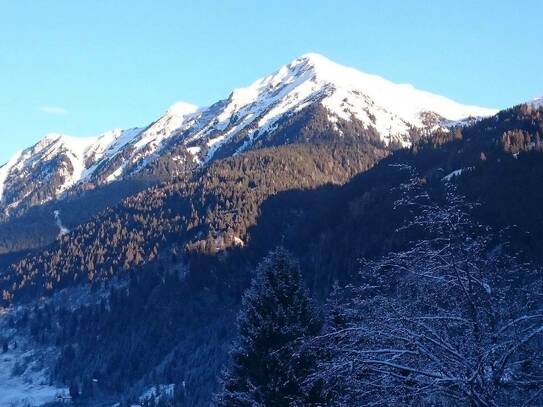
{"type": "Point", "coordinates": [336, 317]}
{"type": "Point", "coordinates": [74, 391]}
{"type": "Point", "coordinates": [267, 366]}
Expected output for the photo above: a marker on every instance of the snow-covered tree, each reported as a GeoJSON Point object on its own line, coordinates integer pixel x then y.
{"type": "Point", "coordinates": [452, 320]}
{"type": "Point", "coordinates": [267, 368]}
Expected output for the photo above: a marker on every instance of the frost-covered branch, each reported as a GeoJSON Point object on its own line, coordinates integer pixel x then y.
{"type": "Point", "coordinates": [452, 317]}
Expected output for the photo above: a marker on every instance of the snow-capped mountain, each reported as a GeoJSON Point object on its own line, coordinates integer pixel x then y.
{"type": "Point", "coordinates": [345, 92]}
{"type": "Point", "coordinates": [185, 133]}
{"type": "Point", "coordinates": [58, 162]}
{"type": "Point", "coordinates": [537, 102]}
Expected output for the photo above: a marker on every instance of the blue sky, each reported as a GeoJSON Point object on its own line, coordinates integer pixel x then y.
{"type": "Point", "coordinates": [83, 67]}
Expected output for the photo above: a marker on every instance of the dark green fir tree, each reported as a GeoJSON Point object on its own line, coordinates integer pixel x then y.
{"type": "Point", "coordinates": [268, 367]}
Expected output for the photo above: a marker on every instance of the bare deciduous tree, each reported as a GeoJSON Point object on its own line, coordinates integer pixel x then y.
{"type": "Point", "coordinates": [453, 320]}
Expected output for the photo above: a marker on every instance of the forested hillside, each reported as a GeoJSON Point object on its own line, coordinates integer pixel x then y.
{"type": "Point", "coordinates": [168, 266]}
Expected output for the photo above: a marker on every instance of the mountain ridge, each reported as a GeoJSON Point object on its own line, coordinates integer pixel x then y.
{"type": "Point", "coordinates": [193, 136]}
{"type": "Point", "coordinates": [176, 257]}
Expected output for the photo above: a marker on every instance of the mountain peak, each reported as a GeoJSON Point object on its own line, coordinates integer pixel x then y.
{"type": "Point", "coordinates": [537, 102]}
{"type": "Point", "coordinates": [353, 93]}
{"type": "Point", "coordinates": [75, 145]}
{"type": "Point", "coordinates": [318, 66]}
{"type": "Point", "coordinates": [180, 109]}
{"type": "Point", "coordinates": [232, 126]}
{"type": "Point", "coordinates": [312, 59]}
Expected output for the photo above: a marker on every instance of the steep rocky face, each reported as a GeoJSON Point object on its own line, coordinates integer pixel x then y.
{"type": "Point", "coordinates": [268, 112]}
{"type": "Point", "coordinates": [45, 170]}
{"type": "Point", "coordinates": [391, 110]}
{"type": "Point", "coordinates": [60, 164]}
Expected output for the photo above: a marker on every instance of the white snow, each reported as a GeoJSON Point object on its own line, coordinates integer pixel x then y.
{"type": "Point", "coordinates": [157, 392]}
{"type": "Point", "coordinates": [345, 92]}
{"type": "Point", "coordinates": [194, 151]}
{"type": "Point", "coordinates": [5, 170]}
{"type": "Point", "coordinates": [85, 154]}
{"type": "Point", "coordinates": [537, 102]}
{"type": "Point", "coordinates": [149, 143]}
{"type": "Point", "coordinates": [30, 388]}
{"type": "Point", "coordinates": [402, 99]}
{"type": "Point", "coordinates": [172, 120]}
{"type": "Point", "coordinates": [256, 109]}
{"type": "Point", "coordinates": [116, 174]}
{"type": "Point", "coordinates": [154, 393]}
{"type": "Point", "coordinates": [106, 147]}
{"type": "Point", "coordinates": [75, 149]}
{"type": "Point", "coordinates": [238, 241]}
{"type": "Point", "coordinates": [455, 173]}
{"type": "Point", "coordinates": [63, 230]}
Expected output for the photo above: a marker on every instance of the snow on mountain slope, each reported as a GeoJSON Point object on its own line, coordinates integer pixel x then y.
{"type": "Point", "coordinates": [537, 102]}
{"type": "Point", "coordinates": [31, 388]}
{"type": "Point", "coordinates": [58, 163]}
{"type": "Point", "coordinates": [5, 171]}
{"type": "Point", "coordinates": [54, 165]}
{"type": "Point", "coordinates": [390, 108]}
{"type": "Point", "coordinates": [177, 118]}
{"type": "Point", "coordinates": [75, 150]}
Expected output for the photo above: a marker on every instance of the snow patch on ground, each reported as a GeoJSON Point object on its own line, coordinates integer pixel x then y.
{"type": "Point", "coordinates": [63, 230]}
{"type": "Point", "coordinates": [155, 393]}
{"type": "Point", "coordinates": [455, 173]}
{"type": "Point", "coordinates": [158, 392]}
{"type": "Point", "coordinates": [29, 387]}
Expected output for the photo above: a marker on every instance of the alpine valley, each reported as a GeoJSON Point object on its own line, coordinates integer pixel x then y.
{"type": "Point", "coordinates": [342, 217]}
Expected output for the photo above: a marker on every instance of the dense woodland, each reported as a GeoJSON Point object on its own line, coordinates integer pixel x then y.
{"type": "Point", "coordinates": [171, 263]}
{"type": "Point", "coordinates": [206, 215]}
{"type": "Point", "coordinates": [37, 227]}
{"type": "Point", "coordinates": [452, 319]}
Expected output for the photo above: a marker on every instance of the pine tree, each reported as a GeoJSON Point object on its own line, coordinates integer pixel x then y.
{"type": "Point", "coordinates": [336, 317]}
{"type": "Point", "coordinates": [74, 391]}
{"type": "Point", "coordinates": [267, 367]}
